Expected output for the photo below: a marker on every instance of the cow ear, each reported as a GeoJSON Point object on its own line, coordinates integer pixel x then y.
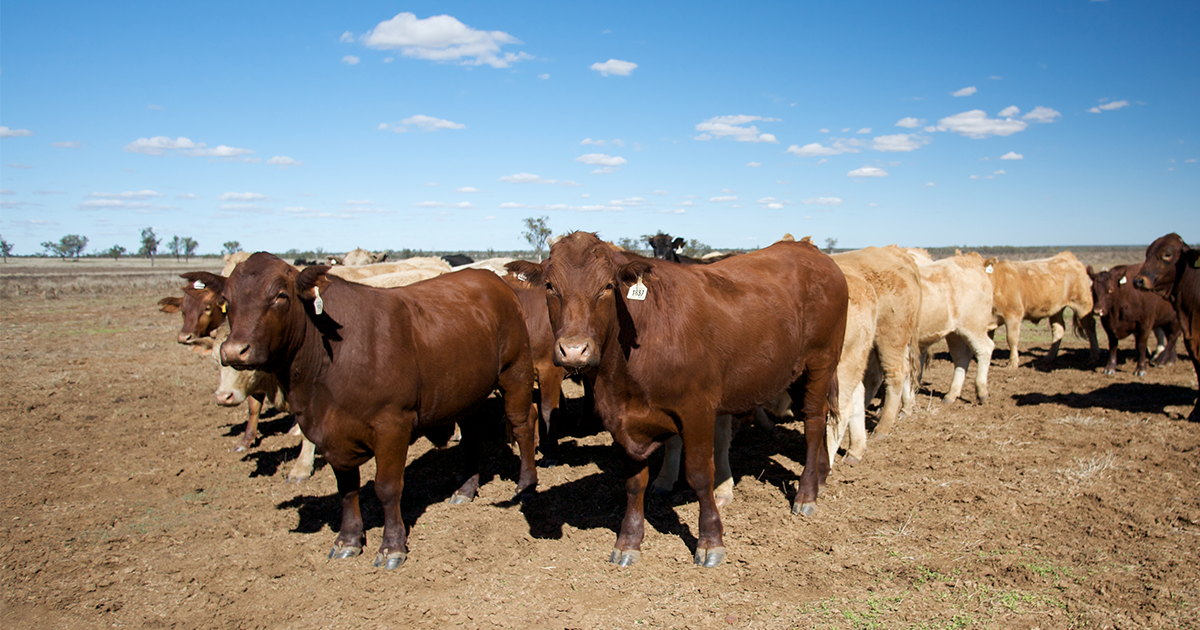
{"type": "Point", "coordinates": [203, 280]}
{"type": "Point", "coordinates": [1091, 272]}
{"type": "Point", "coordinates": [170, 304]}
{"type": "Point", "coordinates": [526, 271]}
{"type": "Point", "coordinates": [311, 281]}
{"type": "Point", "coordinates": [631, 271]}
{"type": "Point", "coordinates": [678, 242]}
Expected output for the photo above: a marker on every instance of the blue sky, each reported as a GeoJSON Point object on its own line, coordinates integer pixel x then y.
{"type": "Point", "coordinates": [442, 125]}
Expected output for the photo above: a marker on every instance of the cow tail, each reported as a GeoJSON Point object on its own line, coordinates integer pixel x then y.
{"type": "Point", "coordinates": [1078, 324]}
{"type": "Point", "coordinates": [832, 399]}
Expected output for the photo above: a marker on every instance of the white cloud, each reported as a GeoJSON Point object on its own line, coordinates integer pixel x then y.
{"type": "Point", "coordinates": [160, 145]}
{"type": "Point", "coordinates": [734, 127]}
{"type": "Point", "coordinates": [1095, 110]}
{"type": "Point", "coordinates": [976, 124]}
{"type": "Point", "coordinates": [630, 201]}
{"type": "Point", "coordinates": [930, 184]}
{"type": "Point", "coordinates": [899, 142]}
{"type": "Point", "coordinates": [527, 178]}
{"type": "Point", "coordinates": [813, 149]}
{"type": "Point", "coordinates": [246, 196]}
{"type": "Point", "coordinates": [350, 60]}
{"type": "Point", "coordinates": [1012, 155]}
{"type": "Point", "coordinates": [614, 66]}
{"type": "Point", "coordinates": [245, 207]}
{"type": "Point", "coordinates": [1041, 114]}
{"type": "Point", "coordinates": [1000, 172]}
{"type": "Point", "coordinates": [429, 123]}
{"type": "Point", "coordinates": [509, 205]}
{"type": "Point", "coordinates": [967, 91]}
{"type": "Point", "coordinates": [543, 76]}
{"type": "Point", "coordinates": [659, 192]}
{"type": "Point", "coordinates": [187, 196]}
{"type": "Point", "coordinates": [443, 38]}
{"type": "Point", "coordinates": [600, 159]}
{"type": "Point", "coordinates": [864, 130]}
{"type": "Point", "coordinates": [723, 198]}
{"type": "Point", "coordinates": [867, 171]}
{"type": "Point", "coordinates": [121, 204]}
{"type": "Point", "coordinates": [1011, 110]}
{"type": "Point", "coordinates": [283, 161]}
{"type": "Point", "coordinates": [464, 205]}
{"type": "Point", "coordinates": [823, 201]}
{"type": "Point", "coordinates": [910, 123]}
{"type": "Point", "coordinates": [138, 194]}
{"type": "Point", "coordinates": [754, 164]}
{"type": "Point", "coordinates": [598, 143]}
{"type": "Point", "coordinates": [346, 37]}
{"type": "Point", "coordinates": [358, 202]}
{"type": "Point", "coordinates": [5, 132]}
{"type": "Point", "coordinates": [466, 189]}
{"type": "Point", "coordinates": [824, 131]}
{"type": "Point", "coordinates": [74, 144]}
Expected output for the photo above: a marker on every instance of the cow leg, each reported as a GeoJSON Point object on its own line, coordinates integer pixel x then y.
{"type": "Point", "coordinates": [1058, 328]}
{"type": "Point", "coordinates": [960, 355]}
{"type": "Point", "coordinates": [1140, 342]}
{"type": "Point", "coordinates": [1160, 339]}
{"type": "Point", "coordinates": [549, 399]}
{"type": "Point", "coordinates": [1089, 328]}
{"type": "Point", "coordinates": [722, 437]}
{"type": "Point", "coordinates": [815, 396]}
{"type": "Point", "coordinates": [668, 473]}
{"type": "Point", "coordinates": [872, 380]}
{"type": "Point", "coordinates": [1012, 328]}
{"type": "Point", "coordinates": [896, 370]}
{"type": "Point", "coordinates": [854, 416]}
{"type": "Point", "coordinates": [1169, 355]}
{"type": "Point", "coordinates": [470, 448]}
{"type": "Point", "coordinates": [517, 390]}
{"type": "Point", "coordinates": [350, 539]}
{"type": "Point", "coordinates": [302, 470]}
{"type": "Point", "coordinates": [1192, 350]}
{"type": "Point", "coordinates": [1113, 343]}
{"type": "Point", "coordinates": [983, 347]}
{"type": "Point", "coordinates": [254, 404]}
{"type": "Point", "coordinates": [628, 549]}
{"type": "Point", "coordinates": [391, 454]}
{"type": "Point", "coordinates": [698, 457]}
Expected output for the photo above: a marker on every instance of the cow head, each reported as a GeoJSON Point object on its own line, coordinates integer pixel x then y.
{"type": "Point", "coordinates": [202, 306]}
{"type": "Point", "coordinates": [267, 303]}
{"type": "Point", "coordinates": [1166, 259]}
{"type": "Point", "coordinates": [1104, 287]}
{"type": "Point", "coordinates": [585, 288]}
{"type": "Point", "coordinates": [665, 248]}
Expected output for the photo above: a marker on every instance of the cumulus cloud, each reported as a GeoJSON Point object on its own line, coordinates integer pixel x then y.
{"type": "Point", "coordinates": [723, 198]}
{"type": "Point", "coordinates": [600, 159]}
{"type": "Point", "coordinates": [463, 205]}
{"type": "Point", "coordinates": [466, 189]}
{"type": "Point", "coordinates": [187, 196]}
{"type": "Point", "coordinates": [838, 147]}
{"type": "Point", "coordinates": [823, 201]}
{"type": "Point", "coordinates": [527, 178]}
{"type": "Point", "coordinates": [443, 38]}
{"type": "Point", "coordinates": [735, 127]}
{"type": "Point", "coordinates": [864, 130]}
{"type": "Point", "coordinates": [899, 142]}
{"type": "Point", "coordinates": [1041, 114]}
{"type": "Point", "coordinates": [5, 132]}
{"type": "Point", "coordinates": [976, 124]}
{"type": "Point", "coordinates": [910, 123]}
{"type": "Point", "coordinates": [1011, 110]}
{"type": "Point", "coordinates": [237, 196]}
{"type": "Point", "coordinates": [1012, 155]}
{"type": "Point", "coordinates": [867, 171]}
{"type": "Point", "coordinates": [160, 145]}
{"type": "Point", "coordinates": [73, 144]}
{"type": "Point", "coordinates": [598, 143]}
{"type": "Point", "coordinates": [967, 91]}
{"type": "Point", "coordinates": [138, 194]}
{"type": "Point", "coordinates": [754, 164]}
{"type": "Point", "coordinates": [346, 37]}
{"type": "Point", "coordinates": [1095, 110]}
{"type": "Point", "coordinates": [283, 161]}
{"type": "Point", "coordinates": [614, 66]}
{"type": "Point", "coordinates": [350, 60]}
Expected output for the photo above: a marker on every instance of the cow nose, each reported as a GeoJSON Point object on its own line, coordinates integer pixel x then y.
{"type": "Point", "coordinates": [1139, 282]}
{"type": "Point", "coordinates": [574, 352]}
{"type": "Point", "coordinates": [234, 354]}
{"type": "Point", "coordinates": [185, 337]}
{"type": "Point", "coordinates": [225, 398]}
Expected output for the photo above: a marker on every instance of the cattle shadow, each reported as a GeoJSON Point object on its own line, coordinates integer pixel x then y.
{"type": "Point", "coordinates": [1127, 397]}
{"type": "Point", "coordinates": [268, 463]}
{"type": "Point", "coordinates": [270, 422]}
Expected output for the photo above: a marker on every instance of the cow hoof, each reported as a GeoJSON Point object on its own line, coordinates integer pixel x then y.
{"type": "Point", "coordinates": [851, 460]}
{"type": "Point", "coordinates": [547, 462]}
{"type": "Point", "coordinates": [390, 561]}
{"type": "Point", "coordinates": [723, 499]}
{"type": "Point", "coordinates": [656, 490]}
{"type": "Point", "coordinates": [875, 435]}
{"type": "Point", "coordinates": [709, 558]}
{"type": "Point", "coordinates": [805, 509]}
{"type": "Point", "coordinates": [625, 558]}
{"type": "Point", "coordinates": [1140, 373]}
{"type": "Point", "coordinates": [297, 479]}
{"type": "Point", "coordinates": [341, 552]}
{"type": "Point", "coordinates": [240, 448]}
{"type": "Point", "coordinates": [1109, 371]}
{"type": "Point", "coordinates": [459, 499]}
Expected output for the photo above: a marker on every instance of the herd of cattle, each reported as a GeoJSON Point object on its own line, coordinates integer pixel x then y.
{"type": "Point", "coordinates": [670, 349]}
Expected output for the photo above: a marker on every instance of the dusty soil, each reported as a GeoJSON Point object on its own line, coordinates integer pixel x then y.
{"type": "Point", "coordinates": [1071, 500]}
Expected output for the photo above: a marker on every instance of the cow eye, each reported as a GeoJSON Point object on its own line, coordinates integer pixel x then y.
{"type": "Point", "coordinates": [608, 287]}
{"type": "Point", "coordinates": [1167, 257]}
{"type": "Point", "coordinates": [550, 288]}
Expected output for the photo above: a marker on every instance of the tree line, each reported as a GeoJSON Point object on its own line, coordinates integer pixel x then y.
{"type": "Point", "coordinates": [72, 246]}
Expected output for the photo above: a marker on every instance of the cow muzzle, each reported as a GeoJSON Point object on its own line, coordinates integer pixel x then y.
{"type": "Point", "coordinates": [576, 353]}
{"type": "Point", "coordinates": [185, 338]}
{"type": "Point", "coordinates": [228, 398]}
{"type": "Point", "coordinates": [238, 356]}
{"type": "Point", "coordinates": [1141, 282]}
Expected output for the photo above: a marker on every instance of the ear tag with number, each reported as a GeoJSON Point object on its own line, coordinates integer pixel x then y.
{"type": "Point", "coordinates": [318, 303]}
{"type": "Point", "coordinates": [198, 285]}
{"type": "Point", "coordinates": [1123, 280]}
{"type": "Point", "coordinates": [637, 291]}
{"type": "Point", "coordinates": [989, 269]}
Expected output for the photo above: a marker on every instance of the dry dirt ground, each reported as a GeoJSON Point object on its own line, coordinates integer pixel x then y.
{"type": "Point", "coordinates": [1071, 500]}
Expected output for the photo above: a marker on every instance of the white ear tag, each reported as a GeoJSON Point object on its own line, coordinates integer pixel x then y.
{"type": "Point", "coordinates": [637, 291]}
{"type": "Point", "coordinates": [521, 277]}
{"type": "Point", "coordinates": [1123, 280]}
{"type": "Point", "coordinates": [988, 269]}
{"type": "Point", "coordinates": [198, 285]}
{"type": "Point", "coordinates": [318, 303]}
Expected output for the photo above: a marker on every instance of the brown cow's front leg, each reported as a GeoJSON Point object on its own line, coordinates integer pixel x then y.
{"type": "Point", "coordinates": [350, 540]}
{"type": "Point", "coordinates": [698, 465]}
{"type": "Point", "coordinates": [633, 527]}
{"type": "Point", "coordinates": [1139, 342]}
{"type": "Point", "coordinates": [254, 404]}
{"type": "Point", "coordinates": [390, 457]}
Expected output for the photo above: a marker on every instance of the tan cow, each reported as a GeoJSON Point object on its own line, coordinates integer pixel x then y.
{"type": "Point", "coordinates": [897, 283]}
{"type": "Point", "coordinates": [358, 257]}
{"type": "Point", "coordinates": [956, 305]}
{"type": "Point", "coordinates": [361, 272]}
{"type": "Point", "coordinates": [1034, 290]}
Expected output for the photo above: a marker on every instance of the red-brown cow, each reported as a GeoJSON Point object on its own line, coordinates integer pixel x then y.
{"type": "Point", "coordinates": [1125, 311]}
{"type": "Point", "coordinates": [1172, 270]}
{"type": "Point", "coordinates": [203, 312]}
{"type": "Point", "coordinates": [366, 370]}
{"type": "Point", "coordinates": [668, 347]}
{"type": "Point", "coordinates": [528, 280]}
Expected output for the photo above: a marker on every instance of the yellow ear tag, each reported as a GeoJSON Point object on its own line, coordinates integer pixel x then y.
{"type": "Point", "coordinates": [318, 303]}
{"type": "Point", "coordinates": [637, 291]}
{"type": "Point", "coordinates": [222, 307]}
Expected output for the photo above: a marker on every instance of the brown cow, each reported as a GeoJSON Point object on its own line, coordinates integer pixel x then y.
{"type": "Point", "coordinates": [1172, 270]}
{"type": "Point", "coordinates": [898, 293]}
{"type": "Point", "coordinates": [668, 347]}
{"type": "Point", "coordinates": [1125, 311]}
{"type": "Point", "coordinates": [1033, 290]}
{"type": "Point", "coordinates": [203, 312]}
{"type": "Point", "coordinates": [956, 305]}
{"type": "Point", "coordinates": [367, 370]}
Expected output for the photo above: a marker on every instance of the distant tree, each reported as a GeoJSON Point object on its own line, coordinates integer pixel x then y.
{"type": "Point", "coordinates": [830, 243]}
{"type": "Point", "coordinates": [175, 246]}
{"type": "Point", "coordinates": [149, 244]}
{"type": "Point", "coordinates": [231, 247]}
{"type": "Point", "coordinates": [189, 247]}
{"type": "Point", "coordinates": [696, 249]}
{"type": "Point", "coordinates": [69, 245]}
{"type": "Point", "coordinates": [536, 234]}
{"type": "Point", "coordinates": [5, 248]}
{"type": "Point", "coordinates": [629, 244]}
{"type": "Point", "coordinates": [116, 251]}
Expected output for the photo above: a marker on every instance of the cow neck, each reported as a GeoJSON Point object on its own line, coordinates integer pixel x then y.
{"type": "Point", "coordinates": [620, 399]}
{"type": "Point", "coordinates": [308, 355]}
